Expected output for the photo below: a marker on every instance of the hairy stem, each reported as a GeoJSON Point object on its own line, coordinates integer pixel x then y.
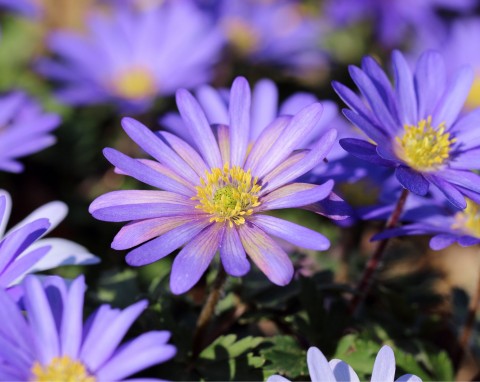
{"type": "Point", "coordinates": [207, 311]}
{"type": "Point", "coordinates": [374, 261]}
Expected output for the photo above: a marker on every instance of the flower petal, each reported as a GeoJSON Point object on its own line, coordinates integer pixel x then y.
{"type": "Point", "coordinates": [364, 150]}
{"type": "Point", "coordinates": [405, 92]}
{"type": "Point", "coordinates": [343, 371]}
{"type": "Point", "coordinates": [384, 366]}
{"type": "Point", "coordinates": [264, 106]}
{"type": "Point", "coordinates": [232, 254]}
{"type": "Point", "coordinates": [318, 366]}
{"type": "Point", "coordinates": [442, 241]}
{"type": "Point", "coordinates": [412, 180]}
{"type": "Point", "coordinates": [192, 261]}
{"type": "Point", "coordinates": [239, 110]}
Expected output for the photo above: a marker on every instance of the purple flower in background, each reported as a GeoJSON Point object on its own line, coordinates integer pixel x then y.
{"type": "Point", "coordinates": [50, 342]}
{"type": "Point", "coordinates": [396, 20]}
{"type": "Point", "coordinates": [25, 7]}
{"type": "Point", "coordinates": [23, 249]}
{"type": "Point", "coordinates": [322, 370]}
{"type": "Point", "coordinates": [130, 57]}
{"type": "Point", "coordinates": [24, 129]}
{"type": "Point", "coordinates": [214, 195]}
{"type": "Point", "coordinates": [279, 32]}
{"type": "Point", "coordinates": [415, 125]}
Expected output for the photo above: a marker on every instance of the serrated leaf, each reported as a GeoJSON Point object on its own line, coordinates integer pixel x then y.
{"type": "Point", "coordinates": [285, 357]}
{"type": "Point", "coordinates": [234, 348]}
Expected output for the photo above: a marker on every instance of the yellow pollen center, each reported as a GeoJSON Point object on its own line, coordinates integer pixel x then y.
{"type": "Point", "coordinates": [228, 194]}
{"type": "Point", "coordinates": [473, 98]}
{"type": "Point", "coordinates": [423, 147]}
{"type": "Point", "coordinates": [241, 35]}
{"type": "Point", "coordinates": [468, 219]}
{"type": "Point", "coordinates": [61, 369]}
{"type": "Point", "coordinates": [135, 83]}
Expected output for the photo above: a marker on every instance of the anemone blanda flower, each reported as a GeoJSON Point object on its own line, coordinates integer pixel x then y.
{"type": "Point", "coordinates": [415, 125]}
{"type": "Point", "coordinates": [214, 199]}
{"type": "Point", "coordinates": [24, 129]}
{"type": "Point", "coordinates": [23, 249]}
{"type": "Point", "coordinates": [322, 370]}
{"type": "Point", "coordinates": [50, 342]}
{"type": "Point", "coordinates": [397, 20]}
{"type": "Point", "coordinates": [24, 7]}
{"type": "Point", "coordinates": [131, 56]}
{"type": "Point", "coordinates": [278, 32]}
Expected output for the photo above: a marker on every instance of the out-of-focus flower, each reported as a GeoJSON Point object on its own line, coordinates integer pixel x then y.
{"type": "Point", "coordinates": [214, 198]}
{"type": "Point", "coordinates": [396, 20]}
{"type": "Point", "coordinates": [25, 7]}
{"type": "Point", "coordinates": [24, 129]}
{"type": "Point", "coordinates": [130, 57]}
{"type": "Point", "coordinates": [50, 342]}
{"type": "Point", "coordinates": [322, 370]}
{"type": "Point", "coordinates": [23, 249]}
{"type": "Point", "coordinates": [415, 125]}
{"type": "Point", "coordinates": [277, 32]}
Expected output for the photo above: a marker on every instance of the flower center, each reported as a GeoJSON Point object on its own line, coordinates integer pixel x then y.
{"type": "Point", "coordinates": [423, 147]}
{"type": "Point", "coordinates": [61, 369]}
{"type": "Point", "coordinates": [228, 194]}
{"type": "Point", "coordinates": [469, 219]}
{"type": "Point", "coordinates": [473, 98]}
{"type": "Point", "coordinates": [135, 83]}
{"type": "Point", "coordinates": [241, 35]}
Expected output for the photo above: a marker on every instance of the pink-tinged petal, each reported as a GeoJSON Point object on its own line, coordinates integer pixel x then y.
{"type": "Point", "coordinates": [384, 366]}
{"type": "Point", "coordinates": [301, 124]}
{"type": "Point", "coordinates": [265, 141]}
{"type": "Point", "coordinates": [316, 154]}
{"type": "Point", "coordinates": [195, 120]}
{"type": "Point", "coordinates": [193, 260]}
{"type": "Point", "coordinates": [138, 232]}
{"type": "Point", "coordinates": [140, 171]}
{"type": "Point", "coordinates": [212, 103]}
{"type": "Point", "coordinates": [295, 195]}
{"type": "Point", "coordinates": [264, 106]}
{"type": "Point", "coordinates": [144, 351]}
{"type": "Point", "coordinates": [164, 245]}
{"type": "Point", "coordinates": [72, 320]}
{"type": "Point", "coordinates": [239, 112]}
{"type": "Point", "coordinates": [186, 152]}
{"type": "Point", "coordinates": [41, 320]}
{"type": "Point", "coordinates": [269, 257]}
{"type": "Point", "coordinates": [5, 209]}
{"type": "Point", "coordinates": [291, 232]}
{"type": "Point", "coordinates": [97, 351]}
{"type": "Point", "coordinates": [223, 136]}
{"type": "Point", "coordinates": [232, 254]}
{"type": "Point", "coordinates": [318, 366]}
{"type": "Point", "coordinates": [343, 371]}
{"type": "Point", "coordinates": [292, 160]}
{"type": "Point", "coordinates": [154, 146]}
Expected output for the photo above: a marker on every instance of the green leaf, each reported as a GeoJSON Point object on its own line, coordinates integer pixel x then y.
{"type": "Point", "coordinates": [285, 357]}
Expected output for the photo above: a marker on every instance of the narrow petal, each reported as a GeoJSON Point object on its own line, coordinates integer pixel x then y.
{"type": "Point", "coordinates": [212, 103]}
{"type": "Point", "coordinates": [5, 209]}
{"type": "Point", "coordinates": [468, 241]}
{"type": "Point", "coordinates": [451, 192]}
{"type": "Point", "coordinates": [353, 101]}
{"type": "Point", "coordinates": [408, 378]}
{"type": "Point", "coordinates": [343, 371]}
{"type": "Point", "coordinates": [266, 254]}
{"type": "Point", "coordinates": [291, 232]}
{"type": "Point", "coordinates": [364, 150]}
{"type": "Point", "coordinates": [264, 106]}
{"type": "Point", "coordinates": [164, 245]}
{"type": "Point", "coordinates": [239, 110]}
{"type": "Point", "coordinates": [412, 180]}
{"type": "Point", "coordinates": [318, 366]}
{"type": "Point", "coordinates": [371, 130]}
{"type": "Point", "coordinates": [232, 254]}
{"type": "Point", "coordinates": [223, 135]}
{"type": "Point", "coordinates": [154, 146]}
{"type": "Point", "coordinates": [20, 267]}
{"type": "Point", "coordinates": [197, 123]}
{"type": "Point", "coordinates": [442, 241]}
{"type": "Point", "coordinates": [295, 195]}
{"type": "Point", "coordinates": [384, 366]}
{"type": "Point", "coordinates": [193, 260]}
{"type": "Point", "coordinates": [405, 92]}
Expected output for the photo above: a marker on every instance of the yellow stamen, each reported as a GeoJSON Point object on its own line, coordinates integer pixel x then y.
{"type": "Point", "coordinates": [423, 147]}
{"type": "Point", "coordinates": [228, 194]}
{"type": "Point", "coordinates": [61, 369]}
{"type": "Point", "coordinates": [469, 219]}
{"type": "Point", "coordinates": [134, 83]}
{"type": "Point", "coordinates": [242, 36]}
{"type": "Point", "coordinates": [473, 99]}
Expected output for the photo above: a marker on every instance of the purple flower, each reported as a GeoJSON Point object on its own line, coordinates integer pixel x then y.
{"type": "Point", "coordinates": [130, 57]}
{"type": "Point", "coordinates": [415, 125]}
{"type": "Point", "coordinates": [214, 195]}
{"type": "Point", "coordinates": [23, 249]}
{"type": "Point", "coordinates": [24, 7]}
{"type": "Point", "coordinates": [24, 129]}
{"type": "Point", "coordinates": [50, 342]}
{"type": "Point", "coordinates": [278, 32]}
{"type": "Point", "coordinates": [395, 20]}
{"type": "Point", "coordinates": [322, 370]}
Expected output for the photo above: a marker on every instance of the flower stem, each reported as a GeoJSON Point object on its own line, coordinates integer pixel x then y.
{"type": "Point", "coordinates": [374, 261]}
{"type": "Point", "coordinates": [469, 324]}
{"type": "Point", "coordinates": [207, 311]}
